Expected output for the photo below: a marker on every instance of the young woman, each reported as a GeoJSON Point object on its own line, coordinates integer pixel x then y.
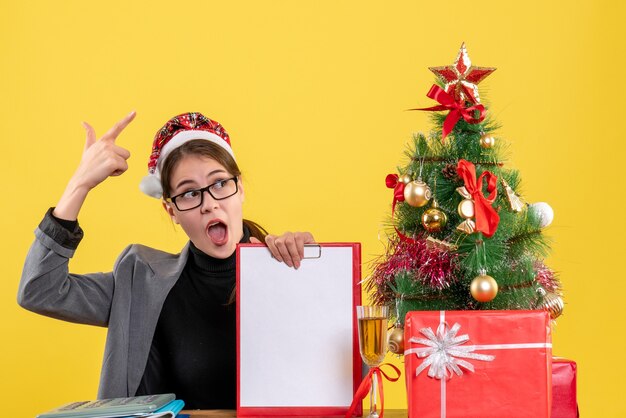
{"type": "Point", "coordinates": [170, 317]}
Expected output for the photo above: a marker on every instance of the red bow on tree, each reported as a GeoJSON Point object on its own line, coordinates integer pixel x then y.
{"type": "Point", "coordinates": [457, 109]}
{"type": "Point", "coordinates": [487, 218]}
{"type": "Point", "coordinates": [392, 182]}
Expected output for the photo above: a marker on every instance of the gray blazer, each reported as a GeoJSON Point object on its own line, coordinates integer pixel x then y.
{"type": "Point", "coordinates": [127, 300]}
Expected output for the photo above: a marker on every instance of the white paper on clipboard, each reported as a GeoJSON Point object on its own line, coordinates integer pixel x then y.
{"type": "Point", "coordinates": [296, 328]}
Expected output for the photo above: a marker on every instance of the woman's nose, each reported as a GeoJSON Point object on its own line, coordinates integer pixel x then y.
{"type": "Point", "coordinates": [208, 202]}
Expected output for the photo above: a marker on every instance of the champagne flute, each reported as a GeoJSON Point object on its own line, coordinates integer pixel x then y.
{"type": "Point", "coordinates": [372, 323]}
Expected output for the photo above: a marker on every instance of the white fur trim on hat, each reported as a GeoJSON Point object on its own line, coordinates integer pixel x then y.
{"type": "Point", "coordinates": [185, 136]}
{"type": "Point", "coordinates": [151, 184]}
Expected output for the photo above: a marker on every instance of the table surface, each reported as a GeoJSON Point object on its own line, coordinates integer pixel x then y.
{"type": "Point", "coordinates": [389, 413]}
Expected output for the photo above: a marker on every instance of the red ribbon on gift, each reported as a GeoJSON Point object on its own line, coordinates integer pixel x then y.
{"type": "Point", "coordinates": [457, 109]}
{"type": "Point", "coordinates": [366, 385]}
{"type": "Point", "coordinates": [392, 182]}
{"type": "Point", "coordinates": [487, 218]}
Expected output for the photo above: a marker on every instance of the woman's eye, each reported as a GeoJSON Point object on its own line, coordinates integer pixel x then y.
{"type": "Point", "coordinates": [220, 184]}
{"type": "Point", "coordinates": [191, 194]}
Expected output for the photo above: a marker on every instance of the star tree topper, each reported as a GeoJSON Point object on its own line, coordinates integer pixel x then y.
{"type": "Point", "coordinates": [462, 77]}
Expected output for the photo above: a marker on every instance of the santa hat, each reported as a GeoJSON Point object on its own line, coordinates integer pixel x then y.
{"type": "Point", "coordinates": [173, 134]}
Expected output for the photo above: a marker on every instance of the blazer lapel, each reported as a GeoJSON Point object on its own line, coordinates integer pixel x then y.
{"type": "Point", "coordinates": [148, 296]}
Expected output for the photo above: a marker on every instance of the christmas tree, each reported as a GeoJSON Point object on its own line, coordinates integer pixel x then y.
{"type": "Point", "coordinates": [461, 237]}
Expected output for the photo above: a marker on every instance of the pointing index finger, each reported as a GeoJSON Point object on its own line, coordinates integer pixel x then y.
{"type": "Point", "coordinates": [117, 129]}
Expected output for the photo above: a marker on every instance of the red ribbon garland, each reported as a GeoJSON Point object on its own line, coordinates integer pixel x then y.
{"type": "Point", "coordinates": [457, 109]}
{"type": "Point", "coordinates": [366, 385]}
{"type": "Point", "coordinates": [487, 218]}
{"type": "Point", "coordinates": [392, 182]}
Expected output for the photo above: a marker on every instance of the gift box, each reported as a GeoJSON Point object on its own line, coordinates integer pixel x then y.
{"type": "Point", "coordinates": [478, 364]}
{"type": "Point", "coordinates": [564, 404]}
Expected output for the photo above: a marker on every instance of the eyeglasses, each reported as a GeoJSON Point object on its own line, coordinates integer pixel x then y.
{"type": "Point", "coordinates": [192, 199]}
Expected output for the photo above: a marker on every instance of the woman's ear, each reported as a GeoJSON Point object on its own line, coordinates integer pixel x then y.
{"type": "Point", "coordinates": [240, 186]}
{"type": "Point", "coordinates": [170, 211]}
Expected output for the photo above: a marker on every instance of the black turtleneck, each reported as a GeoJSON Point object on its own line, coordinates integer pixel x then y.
{"type": "Point", "coordinates": [193, 352]}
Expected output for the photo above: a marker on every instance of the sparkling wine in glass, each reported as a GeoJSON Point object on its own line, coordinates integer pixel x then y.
{"type": "Point", "coordinates": [372, 322]}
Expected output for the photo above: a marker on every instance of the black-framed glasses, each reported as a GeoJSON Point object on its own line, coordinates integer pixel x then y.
{"type": "Point", "coordinates": [194, 198]}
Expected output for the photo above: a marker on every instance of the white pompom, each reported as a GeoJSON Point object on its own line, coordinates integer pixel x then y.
{"type": "Point", "coordinates": [151, 185]}
{"type": "Point", "coordinates": [545, 213]}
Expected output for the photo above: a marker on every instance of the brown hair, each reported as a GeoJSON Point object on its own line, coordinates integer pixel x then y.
{"type": "Point", "coordinates": [204, 148]}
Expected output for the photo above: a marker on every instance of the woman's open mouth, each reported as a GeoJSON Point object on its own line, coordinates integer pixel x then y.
{"type": "Point", "coordinates": [218, 232]}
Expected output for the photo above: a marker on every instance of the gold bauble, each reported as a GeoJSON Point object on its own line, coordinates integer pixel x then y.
{"type": "Point", "coordinates": [466, 208]}
{"type": "Point", "coordinates": [395, 341]}
{"type": "Point", "coordinates": [417, 193]}
{"type": "Point", "coordinates": [434, 219]}
{"type": "Point", "coordinates": [487, 141]}
{"type": "Point", "coordinates": [553, 303]}
{"type": "Point", "coordinates": [484, 288]}
{"type": "Point", "coordinates": [405, 178]}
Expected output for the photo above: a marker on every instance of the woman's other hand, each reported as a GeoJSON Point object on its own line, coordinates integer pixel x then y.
{"type": "Point", "coordinates": [289, 247]}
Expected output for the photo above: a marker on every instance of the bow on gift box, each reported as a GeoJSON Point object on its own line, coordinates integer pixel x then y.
{"type": "Point", "coordinates": [392, 181]}
{"type": "Point", "coordinates": [457, 109]}
{"type": "Point", "coordinates": [487, 218]}
{"type": "Point", "coordinates": [445, 352]}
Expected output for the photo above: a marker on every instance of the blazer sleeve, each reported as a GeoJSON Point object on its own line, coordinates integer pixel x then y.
{"type": "Point", "coordinates": [48, 288]}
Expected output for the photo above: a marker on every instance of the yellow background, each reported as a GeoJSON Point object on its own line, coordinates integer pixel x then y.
{"type": "Point", "coordinates": [313, 95]}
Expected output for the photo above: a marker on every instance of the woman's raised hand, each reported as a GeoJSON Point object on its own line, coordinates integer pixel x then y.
{"type": "Point", "coordinates": [289, 247]}
{"type": "Point", "coordinates": [102, 158]}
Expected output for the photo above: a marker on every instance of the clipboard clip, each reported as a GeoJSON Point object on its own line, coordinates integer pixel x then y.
{"type": "Point", "coordinates": [312, 251]}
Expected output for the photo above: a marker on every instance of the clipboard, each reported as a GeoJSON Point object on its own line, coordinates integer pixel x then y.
{"type": "Point", "coordinates": [297, 338]}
